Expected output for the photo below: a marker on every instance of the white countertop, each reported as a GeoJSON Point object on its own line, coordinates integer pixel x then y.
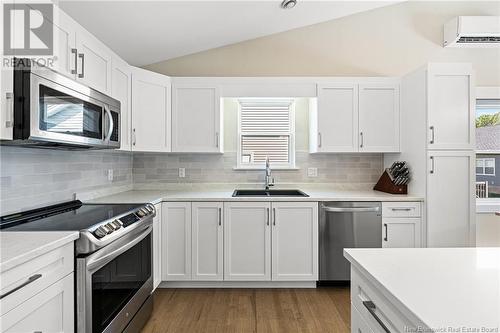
{"type": "Point", "coordinates": [442, 287]}
{"type": "Point", "coordinates": [155, 196]}
{"type": "Point", "coordinates": [17, 247]}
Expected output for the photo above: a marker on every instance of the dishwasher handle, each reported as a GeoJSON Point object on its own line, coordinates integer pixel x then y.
{"type": "Point", "coordinates": [350, 209]}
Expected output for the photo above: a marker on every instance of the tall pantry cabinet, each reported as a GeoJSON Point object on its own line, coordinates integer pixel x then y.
{"type": "Point", "coordinates": [438, 142]}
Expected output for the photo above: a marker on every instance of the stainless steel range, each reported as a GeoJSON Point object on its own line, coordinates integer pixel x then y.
{"type": "Point", "coordinates": [113, 260]}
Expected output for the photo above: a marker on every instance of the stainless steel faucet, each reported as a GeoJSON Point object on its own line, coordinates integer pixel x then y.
{"type": "Point", "coordinates": [269, 181]}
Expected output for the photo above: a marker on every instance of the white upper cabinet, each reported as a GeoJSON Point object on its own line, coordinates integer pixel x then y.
{"type": "Point", "coordinates": [334, 120]}
{"type": "Point", "coordinates": [379, 117]}
{"type": "Point", "coordinates": [450, 199]}
{"type": "Point", "coordinates": [247, 241]}
{"type": "Point", "coordinates": [196, 119]}
{"type": "Point", "coordinates": [355, 116]}
{"type": "Point", "coordinates": [94, 62]}
{"type": "Point", "coordinates": [65, 44]}
{"type": "Point", "coordinates": [150, 111]}
{"type": "Point", "coordinates": [207, 241]}
{"type": "Point", "coordinates": [121, 89]}
{"type": "Point", "coordinates": [176, 241]}
{"type": "Point", "coordinates": [451, 106]}
{"type": "Point", "coordinates": [294, 241]}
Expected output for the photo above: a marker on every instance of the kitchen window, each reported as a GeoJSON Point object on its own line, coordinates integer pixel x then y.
{"type": "Point", "coordinates": [266, 129]}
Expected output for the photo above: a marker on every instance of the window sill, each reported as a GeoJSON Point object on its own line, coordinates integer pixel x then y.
{"type": "Point", "coordinates": [487, 205]}
{"type": "Point", "coordinates": [263, 169]}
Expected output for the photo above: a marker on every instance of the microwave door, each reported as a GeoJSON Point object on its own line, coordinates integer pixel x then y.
{"type": "Point", "coordinates": [60, 114]}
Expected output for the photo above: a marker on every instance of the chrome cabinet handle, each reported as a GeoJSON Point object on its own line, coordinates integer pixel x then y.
{"type": "Point", "coordinates": [362, 140]}
{"type": "Point", "coordinates": [319, 140]}
{"type": "Point", "coordinates": [432, 135]}
{"type": "Point", "coordinates": [268, 214]}
{"type": "Point", "coordinates": [75, 62]}
{"type": "Point", "coordinates": [133, 137]}
{"type": "Point", "coordinates": [401, 209]}
{"type": "Point", "coordinates": [9, 116]}
{"type": "Point", "coordinates": [220, 216]}
{"type": "Point", "coordinates": [386, 238]}
{"type": "Point", "coordinates": [82, 74]}
{"type": "Point", "coordinates": [274, 216]}
{"type": "Point", "coordinates": [370, 306]}
{"type": "Point", "coordinates": [31, 279]}
{"type": "Point", "coordinates": [217, 139]}
{"type": "Point", "coordinates": [432, 164]}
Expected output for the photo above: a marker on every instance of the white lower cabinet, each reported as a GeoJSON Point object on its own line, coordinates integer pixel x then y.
{"type": "Point", "coordinates": [358, 324]}
{"type": "Point", "coordinates": [176, 241]}
{"type": "Point", "coordinates": [247, 241]}
{"type": "Point", "coordinates": [157, 247]}
{"type": "Point", "coordinates": [401, 224]}
{"type": "Point", "coordinates": [207, 241]}
{"type": "Point", "coordinates": [294, 241]}
{"type": "Point", "coordinates": [51, 310]}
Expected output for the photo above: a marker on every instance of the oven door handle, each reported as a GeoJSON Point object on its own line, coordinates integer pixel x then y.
{"type": "Point", "coordinates": [98, 260]}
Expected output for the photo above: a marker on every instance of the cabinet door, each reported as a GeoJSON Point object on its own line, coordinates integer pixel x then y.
{"type": "Point", "coordinates": [294, 241]}
{"type": "Point", "coordinates": [379, 117]}
{"type": "Point", "coordinates": [401, 232]}
{"type": "Point", "coordinates": [247, 241]}
{"type": "Point", "coordinates": [336, 119]}
{"type": "Point", "coordinates": [65, 44]}
{"type": "Point", "coordinates": [176, 241]}
{"type": "Point", "coordinates": [207, 241]}
{"type": "Point", "coordinates": [150, 111]}
{"type": "Point", "coordinates": [196, 119]}
{"type": "Point", "coordinates": [51, 310]}
{"type": "Point", "coordinates": [451, 107]}
{"type": "Point", "coordinates": [121, 89]}
{"type": "Point", "coordinates": [157, 221]}
{"type": "Point", "coordinates": [451, 199]}
{"type": "Point", "coordinates": [94, 62]}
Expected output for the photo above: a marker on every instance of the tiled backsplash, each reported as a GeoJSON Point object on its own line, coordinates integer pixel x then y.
{"type": "Point", "coordinates": [153, 171]}
{"type": "Point", "coordinates": [34, 177]}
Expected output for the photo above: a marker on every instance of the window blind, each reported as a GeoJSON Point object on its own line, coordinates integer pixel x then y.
{"type": "Point", "coordinates": [265, 129]}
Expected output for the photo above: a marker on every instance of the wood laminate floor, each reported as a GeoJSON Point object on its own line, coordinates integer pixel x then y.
{"type": "Point", "coordinates": [250, 310]}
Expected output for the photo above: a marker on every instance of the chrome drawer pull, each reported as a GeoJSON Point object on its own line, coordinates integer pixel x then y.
{"type": "Point", "coordinates": [370, 306]}
{"type": "Point", "coordinates": [401, 209]}
{"type": "Point", "coordinates": [31, 279]}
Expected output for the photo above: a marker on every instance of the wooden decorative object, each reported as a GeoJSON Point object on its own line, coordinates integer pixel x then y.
{"type": "Point", "coordinates": [386, 185]}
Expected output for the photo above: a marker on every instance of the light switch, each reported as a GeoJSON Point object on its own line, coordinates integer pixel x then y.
{"type": "Point", "coordinates": [312, 172]}
{"type": "Point", "coordinates": [182, 172]}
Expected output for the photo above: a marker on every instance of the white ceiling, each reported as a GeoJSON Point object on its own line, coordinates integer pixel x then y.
{"type": "Point", "coordinates": [145, 32]}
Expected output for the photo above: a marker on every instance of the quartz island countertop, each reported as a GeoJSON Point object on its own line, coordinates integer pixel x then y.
{"type": "Point", "coordinates": [442, 287]}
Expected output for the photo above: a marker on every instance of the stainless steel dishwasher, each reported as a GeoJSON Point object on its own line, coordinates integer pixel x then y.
{"type": "Point", "coordinates": [346, 225]}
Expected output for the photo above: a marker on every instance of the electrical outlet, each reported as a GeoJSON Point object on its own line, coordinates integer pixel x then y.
{"type": "Point", "coordinates": [312, 172]}
{"type": "Point", "coordinates": [182, 172]}
{"type": "Point", "coordinates": [110, 175]}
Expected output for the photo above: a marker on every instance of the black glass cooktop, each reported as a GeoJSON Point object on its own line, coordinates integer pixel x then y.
{"type": "Point", "coordinates": [69, 216]}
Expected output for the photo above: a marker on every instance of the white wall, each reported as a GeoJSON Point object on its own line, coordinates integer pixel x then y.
{"type": "Point", "coordinates": [390, 41]}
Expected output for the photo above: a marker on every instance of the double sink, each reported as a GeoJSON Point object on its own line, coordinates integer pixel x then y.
{"type": "Point", "coordinates": [269, 193]}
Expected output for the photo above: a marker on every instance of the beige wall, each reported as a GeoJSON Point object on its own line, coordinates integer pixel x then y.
{"type": "Point", "coordinates": [389, 41]}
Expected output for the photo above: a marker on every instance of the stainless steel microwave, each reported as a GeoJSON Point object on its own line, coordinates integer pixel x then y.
{"type": "Point", "coordinates": [53, 111]}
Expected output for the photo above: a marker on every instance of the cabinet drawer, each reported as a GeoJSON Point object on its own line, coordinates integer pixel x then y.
{"type": "Point", "coordinates": [51, 310]}
{"type": "Point", "coordinates": [358, 324]}
{"type": "Point", "coordinates": [401, 209]}
{"type": "Point", "coordinates": [24, 281]}
{"type": "Point", "coordinates": [374, 308]}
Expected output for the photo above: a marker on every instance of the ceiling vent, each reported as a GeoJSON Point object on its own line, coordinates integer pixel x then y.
{"type": "Point", "coordinates": [472, 31]}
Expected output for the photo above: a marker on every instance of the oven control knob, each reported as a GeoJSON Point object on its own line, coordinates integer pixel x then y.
{"type": "Point", "coordinates": [110, 227]}
{"type": "Point", "coordinates": [140, 213]}
{"type": "Point", "coordinates": [100, 232]}
{"type": "Point", "coordinates": [116, 224]}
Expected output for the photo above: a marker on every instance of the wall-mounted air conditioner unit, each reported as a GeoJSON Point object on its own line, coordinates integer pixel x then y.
{"type": "Point", "coordinates": [472, 31]}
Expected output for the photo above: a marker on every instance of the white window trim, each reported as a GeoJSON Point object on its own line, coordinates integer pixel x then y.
{"type": "Point", "coordinates": [291, 153]}
{"type": "Point", "coordinates": [484, 166]}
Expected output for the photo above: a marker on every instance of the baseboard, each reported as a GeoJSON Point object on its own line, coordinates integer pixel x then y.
{"type": "Point", "coordinates": [237, 284]}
